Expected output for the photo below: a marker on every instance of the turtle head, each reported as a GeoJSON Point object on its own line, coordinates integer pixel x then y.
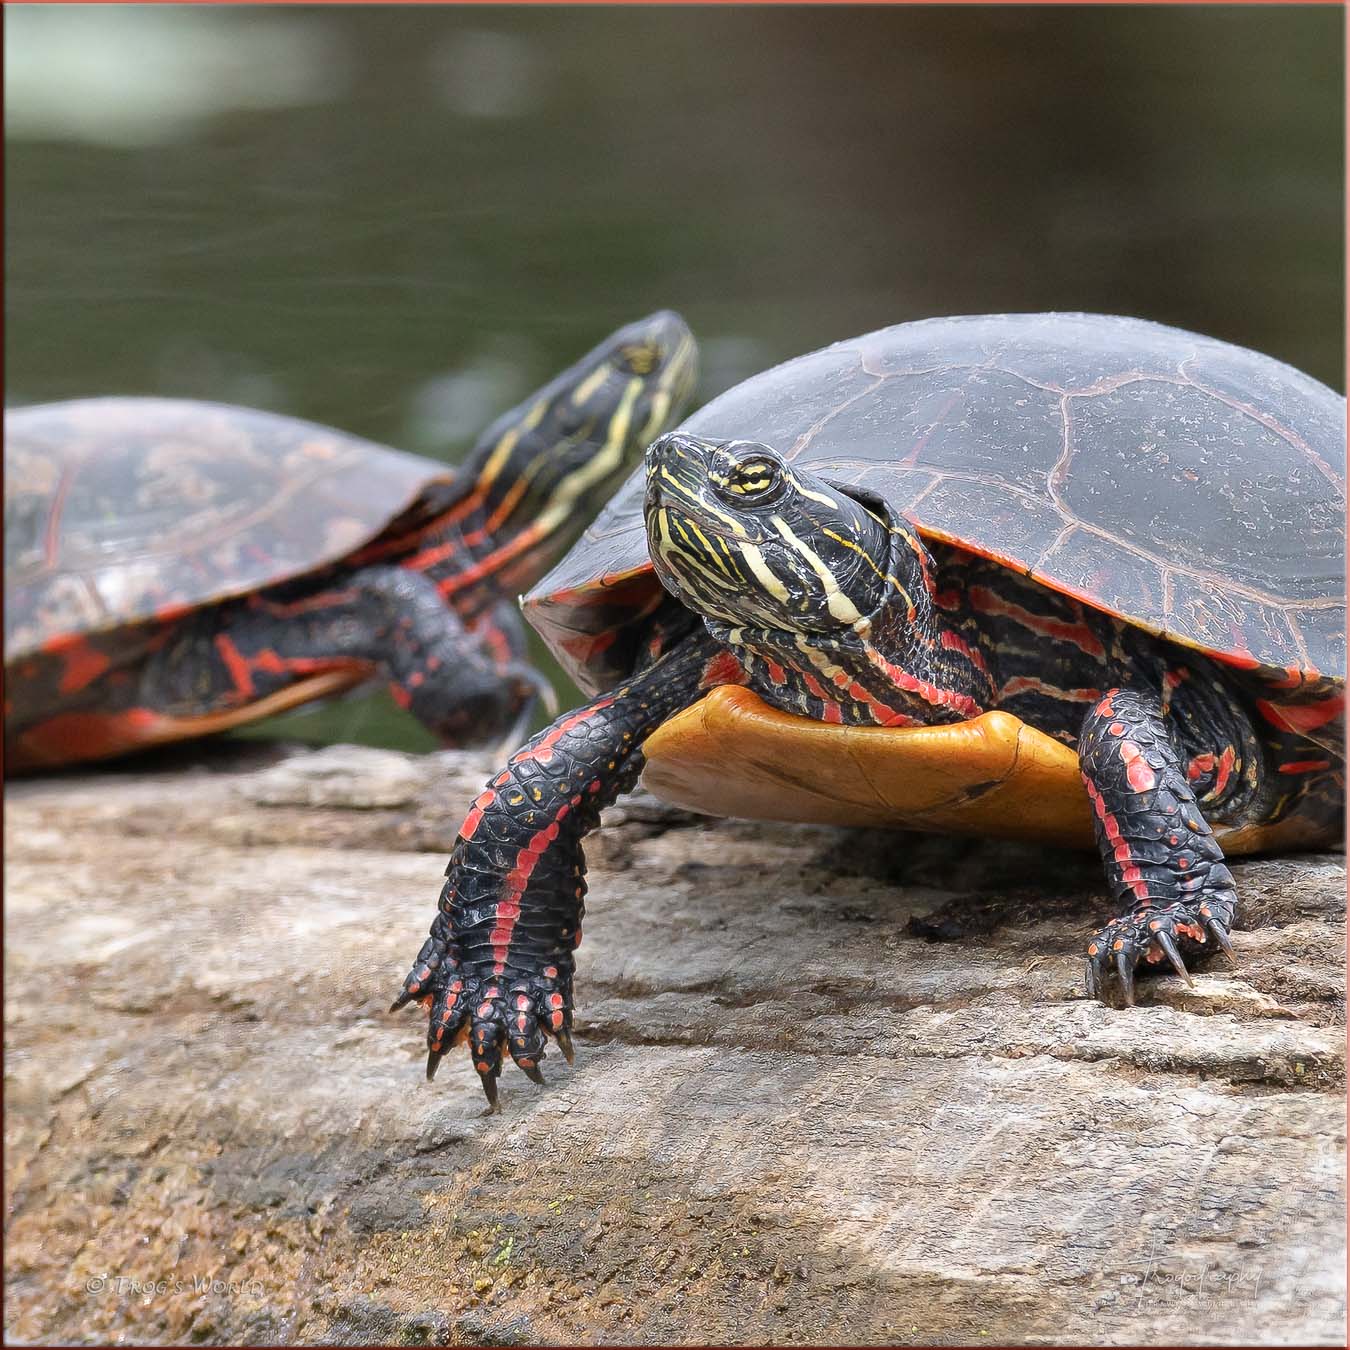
{"type": "Point", "coordinates": [740, 535]}
{"type": "Point", "coordinates": [547, 466]}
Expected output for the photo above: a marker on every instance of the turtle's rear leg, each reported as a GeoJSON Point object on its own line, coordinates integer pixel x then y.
{"type": "Point", "coordinates": [1164, 867]}
{"type": "Point", "coordinates": [466, 687]}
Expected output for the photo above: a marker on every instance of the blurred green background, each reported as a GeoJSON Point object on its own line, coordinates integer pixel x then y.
{"type": "Point", "coordinates": [399, 221]}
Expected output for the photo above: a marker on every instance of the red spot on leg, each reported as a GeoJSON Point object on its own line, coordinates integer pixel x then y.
{"type": "Point", "coordinates": [1225, 769]}
{"type": "Point", "coordinates": [1137, 770]}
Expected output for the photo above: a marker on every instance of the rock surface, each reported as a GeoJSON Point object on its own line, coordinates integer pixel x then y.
{"type": "Point", "coordinates": [793, 1118]}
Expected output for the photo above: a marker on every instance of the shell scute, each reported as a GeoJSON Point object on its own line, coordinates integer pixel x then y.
{"type": "Point", "coordinates": [118, 509]}
{"type": "Point", "coordinates": [1181, 483]}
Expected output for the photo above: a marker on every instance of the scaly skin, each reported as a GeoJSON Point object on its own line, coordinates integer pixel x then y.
{"type": "Point", "coordinates": [1165, 869]}
{"type": "Point", "coordinates": [497, 967]}
{"type": "Point", "coordinates": [830, 607]}
{"type": "Point", "coordinates": [466, 685]}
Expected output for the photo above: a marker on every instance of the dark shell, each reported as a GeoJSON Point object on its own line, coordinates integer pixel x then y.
{"type": "Point", "coordinates": [1191, 487]}
{"type": "Point", "coordinates": [120, 509]}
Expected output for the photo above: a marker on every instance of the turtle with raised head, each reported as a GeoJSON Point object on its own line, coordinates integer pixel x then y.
{"type": "Point", "coordinates": [174, 568]}
{"type": "Point", "coordinates": [1063, 577]}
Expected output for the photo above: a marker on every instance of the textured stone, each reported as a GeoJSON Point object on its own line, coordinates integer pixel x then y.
{"type": "Point", "coordinates": [793, 1118]}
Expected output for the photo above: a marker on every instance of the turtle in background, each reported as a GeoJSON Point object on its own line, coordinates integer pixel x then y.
{"type": "Point", "coordinates": [1059, 577]}
{"type": "Point", "coordinates": [176, 568]}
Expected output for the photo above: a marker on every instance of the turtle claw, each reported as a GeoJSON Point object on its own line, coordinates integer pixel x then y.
{"type": "Point", "coordinates": [1125, 968]}
{"type": "Point", "coordinates": [1141, 941]}
{"type": "Point", "coordinates": [495, 1013]}
{"type": "Point", "coordinates": [489, 1082]}
{"type": "Point", "coordinates": [1216, 931]}
{"type": "Point", "coordinates": [1169, 950]}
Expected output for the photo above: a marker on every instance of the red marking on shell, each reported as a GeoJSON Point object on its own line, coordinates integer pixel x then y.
{"type": "Point", "coordinates": [1305, 765]}
{"type": "Point", "coordinates": [1300, 717]}
{"type": "Point", "coordinates": [82, 662]}
{"type": "Point", "coordinates": [584, 648]}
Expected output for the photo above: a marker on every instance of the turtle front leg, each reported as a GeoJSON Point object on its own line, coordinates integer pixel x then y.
{"type": "Point", "coordinates": [497, 967]}
{"type": "Point", "coordinates": [1164, 867]}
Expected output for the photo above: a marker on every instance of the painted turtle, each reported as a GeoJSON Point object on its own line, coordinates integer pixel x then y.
{"type": "Point", "coordinates": [1056, 576]}
{"type": "Point", "coordinates": [176, 568]}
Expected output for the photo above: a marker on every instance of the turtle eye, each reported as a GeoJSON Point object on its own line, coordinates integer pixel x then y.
{"type": "Point", "coordinates": [754, 481]}
{"type": "Point", "coordinates": [639, 358]}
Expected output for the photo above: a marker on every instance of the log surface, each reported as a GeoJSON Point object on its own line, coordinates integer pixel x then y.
{"type": "Point", "coordinates": [794, 1118]}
